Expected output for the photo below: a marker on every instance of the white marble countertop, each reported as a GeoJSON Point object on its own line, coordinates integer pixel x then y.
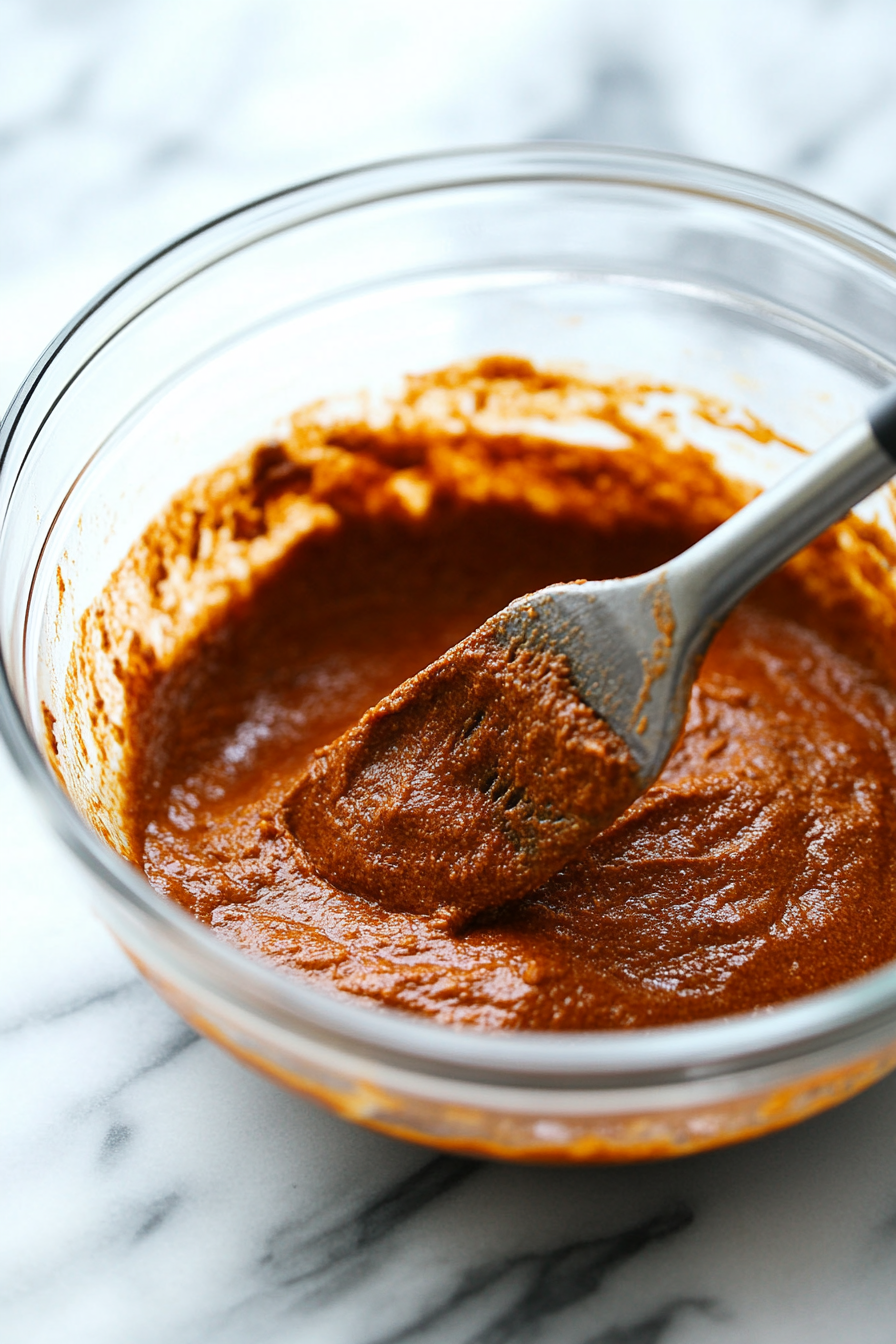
{"type": "Point", "coordinates": [151, 1189]}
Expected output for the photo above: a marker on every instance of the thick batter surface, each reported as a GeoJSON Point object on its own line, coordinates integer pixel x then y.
{"type": "Point", "coordinates": [468, 786]}
{"type": "Point", "coordinates": [761, 866]}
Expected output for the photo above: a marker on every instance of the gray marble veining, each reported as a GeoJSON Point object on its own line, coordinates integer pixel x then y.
{"type": "Point", "coordinates": [150, 1188]}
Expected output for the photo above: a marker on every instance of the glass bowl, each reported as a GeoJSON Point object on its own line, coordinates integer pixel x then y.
{"type": "Point", "coordinates": [625, 263]}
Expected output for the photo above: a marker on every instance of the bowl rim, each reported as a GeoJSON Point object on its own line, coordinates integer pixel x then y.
{"type": "Point", "coordinates": [600, 1060]}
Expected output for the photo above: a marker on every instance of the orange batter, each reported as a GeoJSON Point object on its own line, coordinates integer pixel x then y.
{"type": "Point", "coordinates": [468, 786]}
{"type": "Point", "coordinates": [760, 866]}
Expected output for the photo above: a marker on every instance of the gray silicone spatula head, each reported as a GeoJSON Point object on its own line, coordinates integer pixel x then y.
{"type": "Point", "coordinates": [480, 777]}
{"type": "Point", "coordinates": [468, 785]}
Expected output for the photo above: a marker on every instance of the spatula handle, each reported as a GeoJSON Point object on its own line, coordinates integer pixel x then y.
{"type": "Point", "coordinates": [721, 568]}
{"type": "Point", "coordinates": [882, 419]}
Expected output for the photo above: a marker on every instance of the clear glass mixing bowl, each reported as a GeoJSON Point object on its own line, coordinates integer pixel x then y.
{"type": "Point", "coordinates": [624, 262]}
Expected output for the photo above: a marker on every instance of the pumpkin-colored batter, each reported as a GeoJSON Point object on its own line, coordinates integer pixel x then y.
{"type": "Point", "coordinates": [760, 866]}
{"type": "Point", "coordinates": [468, 786]}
